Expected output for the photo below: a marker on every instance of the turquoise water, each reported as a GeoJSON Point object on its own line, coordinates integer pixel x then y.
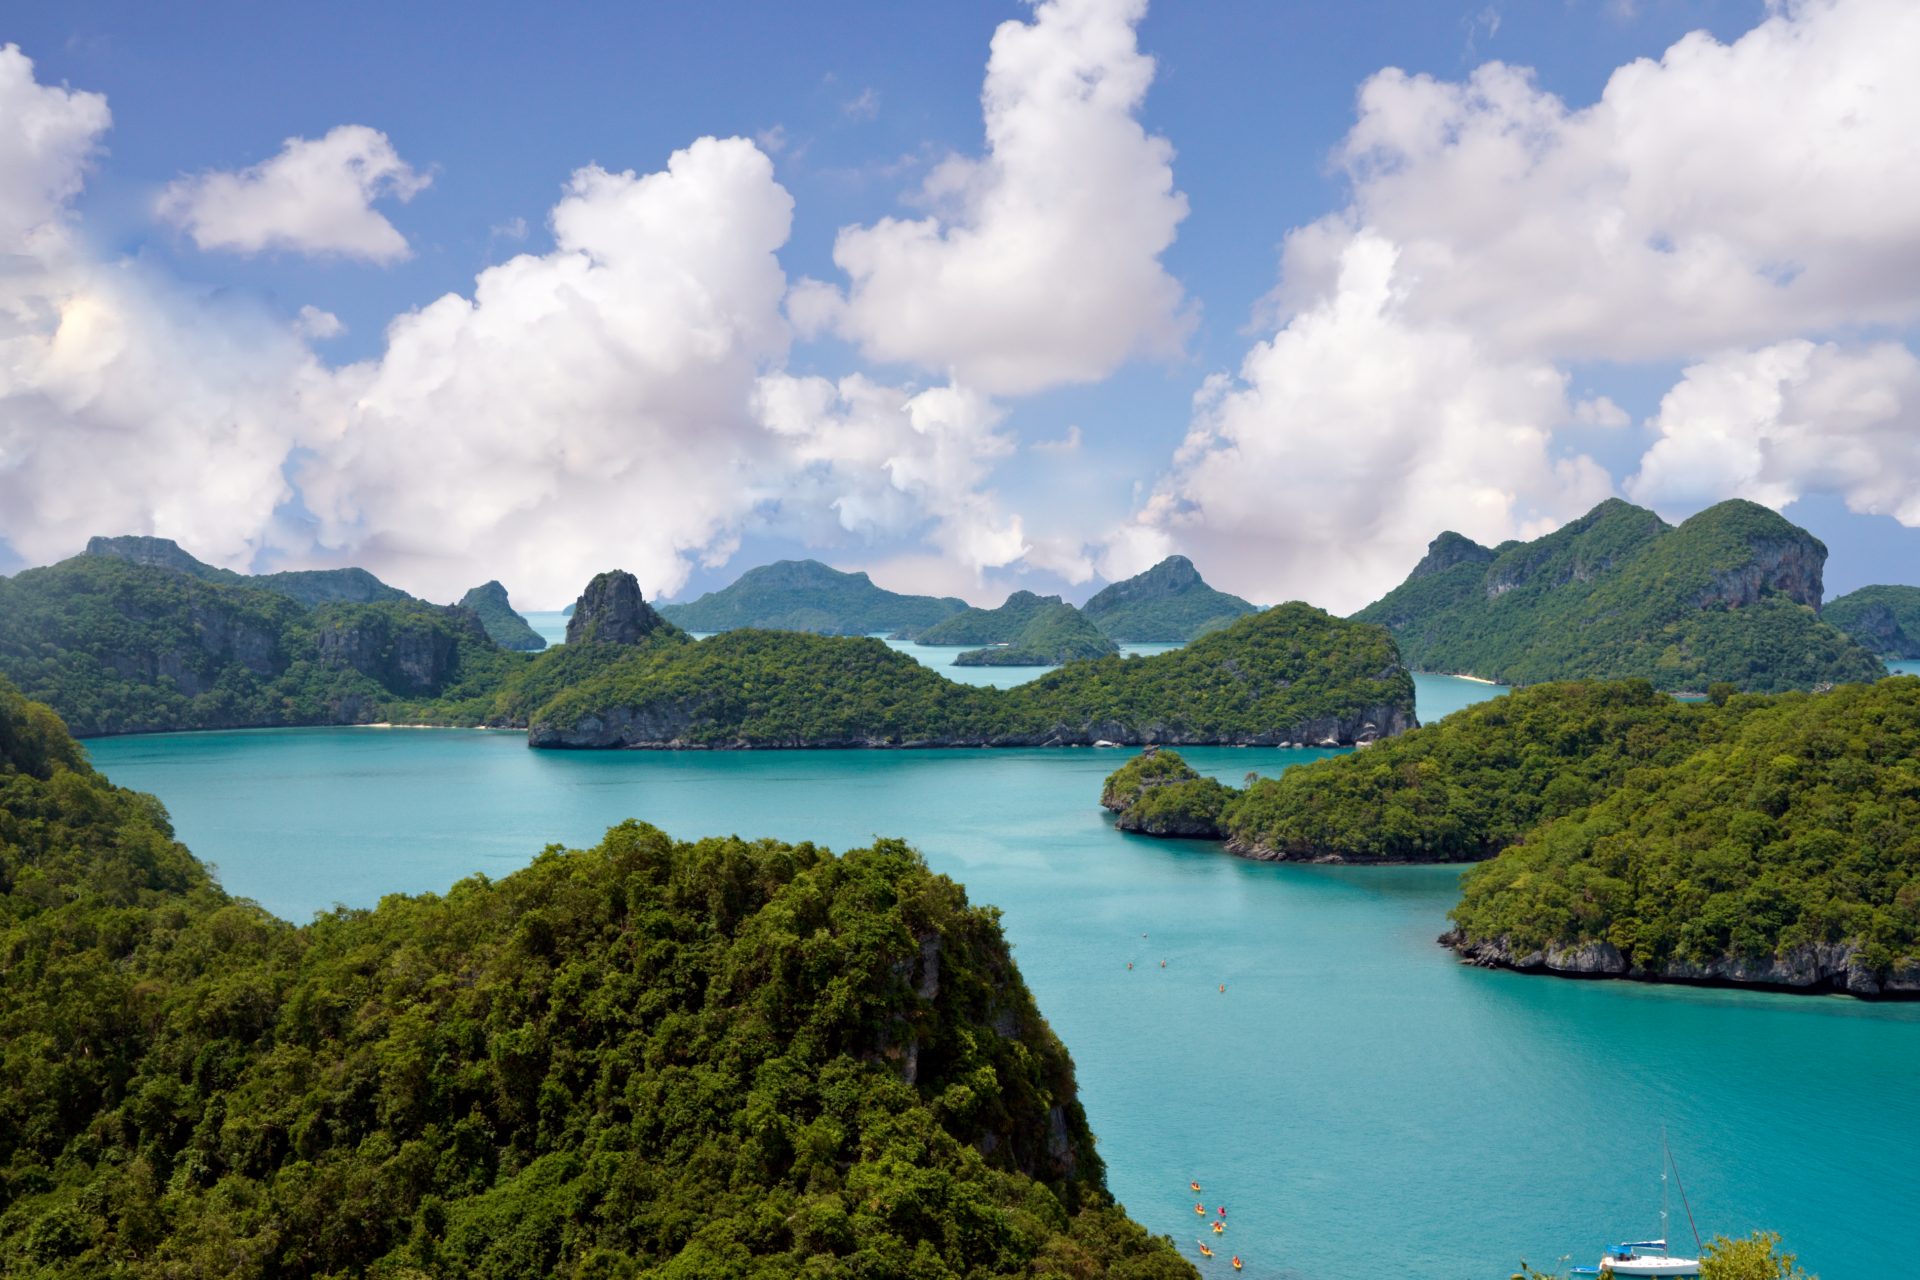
{"type": "Point", "coordinates": [1904, 667]}
{"type": "Point", "coordinates": [1361, 1103]}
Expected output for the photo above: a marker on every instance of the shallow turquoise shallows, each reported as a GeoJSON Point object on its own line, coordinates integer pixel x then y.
{"type": "Point", "coordinates": [1360, 1103]}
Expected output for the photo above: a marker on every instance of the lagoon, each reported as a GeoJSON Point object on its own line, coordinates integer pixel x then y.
{"type": "Point", "coordinates": [1361, 1103]}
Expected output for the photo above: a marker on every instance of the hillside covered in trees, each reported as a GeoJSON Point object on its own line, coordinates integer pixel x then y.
{"type": "Point", "coordinates": [1884, 619]}
{"type": "Point", "coordinates": [1749, 839]}
{"type": "Point", "coordinates": [1730, 595]}
{"type": "Point", "coordinates": [805, 595]}
{"type": "Point", "coordinates": [1289, 674]}
{"type": "Point", "coordinates": [1168, 604]}
{"type": "Point", "coordinates": [121, 646]}
{"type": "Point", "coordinates": [1052, 634]}
{"type": "Point", "coordinates": [648, 1058]}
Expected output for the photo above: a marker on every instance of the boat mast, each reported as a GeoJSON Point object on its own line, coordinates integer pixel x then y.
{"type": "Point", "coordinates": [1664, 1159]}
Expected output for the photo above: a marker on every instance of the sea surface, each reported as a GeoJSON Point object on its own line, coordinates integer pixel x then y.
{"type": "Point", "coordinates": [1361, 1104]}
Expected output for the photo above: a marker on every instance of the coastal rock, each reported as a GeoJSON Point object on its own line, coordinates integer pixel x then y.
{"type": "Point", "coordinates": [157, 553]}
{"type": "Point", "coordinates": [1826, 966]}
{"type": "Point", "coordinates": [612, 611]}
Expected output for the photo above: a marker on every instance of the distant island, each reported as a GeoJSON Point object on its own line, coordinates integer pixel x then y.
{"type": "Point", "coordinates": [509, 630]}
{"type": "Point", "coordinates": [805, 595]}
{"type": "Point", "coordinates": [1027, 631]}
{"type": "Point", "coordinates": [1884, 619]}
{"type": "Point", "coordinates": [650, 1057]}
{"type": "Point", "coordinates": [137, 635]}
{"type": "Point", "coordinates": [1168, 604]}
{"type": "Point", "coordinates": [1732, 594]}
{"type": "Point", "coordinates": [1624, 833]}
{"type": "Point", "coordinates": [1293, 673]}
{"type": "Point", "coordinates": [122, 645]}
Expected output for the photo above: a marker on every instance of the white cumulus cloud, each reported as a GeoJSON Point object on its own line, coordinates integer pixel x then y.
{"type": "Point", "coordinates": [314, 197]}
{"type": "Point", "coordinates": [48, 135]}
{"type": "Point", "coordinates": [1038, 263]}
{"type": "Point", "coordinates": [1788, 420]}
{"type": "Point", "coordinates": [1347, 441]}
{"type": "Point", "coordinates": [1725, 196]}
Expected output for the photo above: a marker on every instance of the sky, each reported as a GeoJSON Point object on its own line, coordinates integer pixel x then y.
{"type": "Point", "coordinates": [973, 296]}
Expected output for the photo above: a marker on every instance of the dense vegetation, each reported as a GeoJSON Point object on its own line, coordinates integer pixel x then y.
{"type": "Point", "coordinates": [1754, 839]}
{"type": "Point", "coordinates": [988, 626]}
{"type": "Point", "coordinates": [309, 587]}
{"type": "Point", "coordinates": [1168, 604]}
{"type": "Point", "coordinates": [1291, 673]}
{"type": "Point", "coordinates": [1885, 619]}
{"type": "Point", "coordinates": [1159, 794]}
{"type": "Point", "coordinates": [1730, 595]}
{"type": "Point", "coordinates": [649, 1058]}
{"type": "Point", "coordinates": [509, 630]}
{"type": "Point", "coordinates": [119, 647]}
{"type": "Point", "coordinates": [1052, 634]}
{"type": "Point", "coordinates": [805, 595]}
{"type": "Point", "coordinates": [1784, 849]}
{"type": "Point", "coordinates": [1469, 785]}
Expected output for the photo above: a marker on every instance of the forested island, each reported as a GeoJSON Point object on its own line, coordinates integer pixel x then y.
{"type": "Point", "coordinates": [120, 645]}
{"type": "Point", "coordinates": [1045, 633]}
{"type": "Point", "coordinates": [681, 1059]}
{"type": "Point", "coordinates": [1732, 594]}
{"type": "Point", "coordinates": [1885, 619]}
{"type": "Point", "coordinates": [123, 645]}
{"type": "Point", "coordinates": [1289, 674]}
{"type": "Point", "coordinates": [805, 595]}
{"type": "Point", "coordinates": [1758, 840]}
{"type": "Point", "coordinates": [504, 627]}
{"type": "Point", "coordinates": [1168, 604]}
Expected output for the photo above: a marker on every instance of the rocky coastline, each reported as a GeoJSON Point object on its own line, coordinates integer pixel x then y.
{"type": "Point", "coordinates": [1807, 969]}
{"type": "Point", "coordinates": [676, 727]}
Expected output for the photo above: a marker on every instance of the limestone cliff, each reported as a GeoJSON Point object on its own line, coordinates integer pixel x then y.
{"type": "Point", "coordinates": [612, 611]}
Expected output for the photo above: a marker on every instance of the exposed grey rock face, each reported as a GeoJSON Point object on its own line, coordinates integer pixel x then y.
{"type": "Point", "coordinates": [1789, 566]}
{"type": "Point", "coordinates": [1813, 967]}
{"type": "Point", "coordinates": [612, 611]}
{"type": "Point", "coordinates": [404, 658]}
{"type": "Point", "coordinates": [160, 553]}
{"type": "Point", "coordinates": [1448, 550]}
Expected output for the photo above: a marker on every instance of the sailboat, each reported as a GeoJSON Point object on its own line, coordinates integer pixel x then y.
{"type": "Point", "coordinates": [1649, 1257]}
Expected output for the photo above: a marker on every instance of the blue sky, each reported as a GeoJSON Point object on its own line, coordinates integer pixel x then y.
{"type": "Point", "coordinates": [855, 105]}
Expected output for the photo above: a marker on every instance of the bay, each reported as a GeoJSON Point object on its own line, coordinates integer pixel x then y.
{"type": "Point", "coordinates": [1359, 1101]}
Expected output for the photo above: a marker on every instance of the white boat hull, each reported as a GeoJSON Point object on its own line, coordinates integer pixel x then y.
{"type": "Point", "coordinates": [1650, 1267]}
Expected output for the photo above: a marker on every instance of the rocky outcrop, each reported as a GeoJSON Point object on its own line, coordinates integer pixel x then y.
{"type": "Point", "coordinates": [158, 553]}
{"type": "Point", "coordinates": [1791, 566]}
{"type": "Point", "coordinates": [1811, 967]}
{"type": "Point", "coordinates": [1448, 550]}
{"type": "Point", "coordinates": [612, 611]}
{"type": "Point", "coordinates": [407, 655]}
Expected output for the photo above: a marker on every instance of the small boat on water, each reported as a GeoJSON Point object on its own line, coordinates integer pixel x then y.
{"type": "Point", "coordinates": [1193, 1186]}
{"type": "Point", "coordinates": [1200, 1209]}
{"type": "Point", "coordinates": [1641, 1258]}
{"type": "Point", "coordinates": [1205, 1252]}
{"type": "Point", "coordinates": [1236, 1262]}
{"type": "Point", "coordinates": [1650, 1257]}
{"type": "Point", "coordinates": [1218, 1227]}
